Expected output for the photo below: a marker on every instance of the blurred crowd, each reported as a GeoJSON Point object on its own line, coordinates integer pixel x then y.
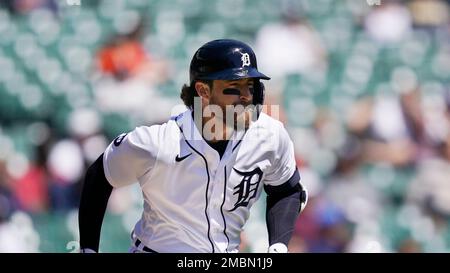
{"type": "Point", "coordinates": [364, 92]}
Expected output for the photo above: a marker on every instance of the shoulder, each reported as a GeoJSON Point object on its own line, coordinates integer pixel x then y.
{"type": "Point", "coordinates": [153, 135]}
{"type": "Point", "coordinates": [272, 129]}
{"type": "Point", "coordinates": [267, 120]}
{"type": "Point", "coordinates": [269, 124]}
{"type": "Point", "coordinates": [267, 134]}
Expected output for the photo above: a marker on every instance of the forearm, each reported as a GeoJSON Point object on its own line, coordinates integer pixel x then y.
{"type": "Point", "coordinates": [94, 200]}
{"type": "Point", "coordinates": [284, 203]}
{"type": "Point", "coordinates": [281, 215]}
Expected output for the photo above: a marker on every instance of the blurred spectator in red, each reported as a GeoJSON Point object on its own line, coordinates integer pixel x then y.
{"type": "Point", "coordinates": [124, 57]}
{"type": "Point", "coordinates": [131, 77]}
{"type": "Point", "coordinates": [31, 190]}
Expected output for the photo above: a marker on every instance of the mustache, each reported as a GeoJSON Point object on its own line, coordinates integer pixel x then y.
{"type": "Point", "coordinates": [244, 104]}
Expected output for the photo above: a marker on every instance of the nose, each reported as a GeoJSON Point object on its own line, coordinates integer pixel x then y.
{"type": "Point", "coordinates": [246, 96]}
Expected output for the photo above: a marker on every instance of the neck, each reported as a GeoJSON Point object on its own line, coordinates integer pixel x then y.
{"type": "Point", "coordinates": [213, 128]}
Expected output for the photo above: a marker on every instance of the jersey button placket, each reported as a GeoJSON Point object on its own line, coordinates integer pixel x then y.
{"type": "Point", "coordinates": [214, 209]}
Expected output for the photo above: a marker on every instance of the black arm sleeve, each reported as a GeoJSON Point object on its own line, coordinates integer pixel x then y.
{"type": "Point", "coordinates": [283, 206]}
{"type": "Point", "coordinates": [94, 199]}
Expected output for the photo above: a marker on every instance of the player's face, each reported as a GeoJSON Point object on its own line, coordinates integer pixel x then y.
{"type": "Point", "coordinates": [235, 93]}
{"type": "Point", "coordinates": [232, 92]}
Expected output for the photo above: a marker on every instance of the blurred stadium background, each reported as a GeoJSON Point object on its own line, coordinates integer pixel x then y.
{"type": "Point", "coordinates": [363, 87]}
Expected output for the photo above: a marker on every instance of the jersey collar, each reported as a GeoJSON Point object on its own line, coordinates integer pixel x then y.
{"type": "Point", "coordinates": [192, 134]}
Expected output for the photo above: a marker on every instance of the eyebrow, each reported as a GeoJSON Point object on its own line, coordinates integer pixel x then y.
{"type": "Point", "coordinates": [232, 81]}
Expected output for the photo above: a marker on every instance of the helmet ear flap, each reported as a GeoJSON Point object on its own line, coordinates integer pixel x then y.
{"type": "Point", "coordinates": [258, 95]}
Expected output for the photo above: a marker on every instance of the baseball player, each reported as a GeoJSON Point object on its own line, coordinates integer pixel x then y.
{"type": "Point", "coordinates": [199, 181]}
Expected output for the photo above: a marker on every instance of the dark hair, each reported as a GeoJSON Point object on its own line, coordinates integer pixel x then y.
{"type": "Point", "coordinates": [188, 92]}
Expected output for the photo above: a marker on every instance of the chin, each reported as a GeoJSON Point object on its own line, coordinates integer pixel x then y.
{"type": "Point", "coordinates": [242, 121]}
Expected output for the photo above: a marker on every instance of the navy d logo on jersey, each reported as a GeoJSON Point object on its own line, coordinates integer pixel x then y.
{"type": "Point", "coordinates": [247, 188]}
{"type": "Point", "coordinates": [119, 139]}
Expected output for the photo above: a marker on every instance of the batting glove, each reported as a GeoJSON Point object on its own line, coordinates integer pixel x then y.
{"type": "Point", "coordinates": [278, 248]}
{"type": "Point", "coordinates": [87, 250]}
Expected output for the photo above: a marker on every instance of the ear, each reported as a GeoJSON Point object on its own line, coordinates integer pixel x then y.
{"type": "Point", "coordinates": [202, 90]}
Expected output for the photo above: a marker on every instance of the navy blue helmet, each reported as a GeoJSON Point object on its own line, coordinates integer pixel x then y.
{"type": "Point", "coordinates": [227, 59]}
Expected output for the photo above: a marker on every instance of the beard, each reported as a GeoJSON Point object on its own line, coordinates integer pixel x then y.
{"type": "Point", "coordinates": [242, 121]}
{"type": "Point", "coordinates": [236, 116]}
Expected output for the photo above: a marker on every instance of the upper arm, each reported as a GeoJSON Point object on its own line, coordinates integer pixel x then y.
{"type": "Point", "coordinates": [130, 156]}
{"type": "Point", "coordinates": [283, 163]}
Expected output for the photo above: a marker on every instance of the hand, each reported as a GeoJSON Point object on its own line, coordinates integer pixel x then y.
{"type": "Point", "coordinates": [303, 199]}
{"type": "Point", "coordinates": [87, 250]}
{"type": "Point", "coordinates": [278, 248]}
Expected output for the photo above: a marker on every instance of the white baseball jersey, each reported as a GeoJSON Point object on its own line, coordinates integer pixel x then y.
{"type": "Point", "coordinates": [195, 201]}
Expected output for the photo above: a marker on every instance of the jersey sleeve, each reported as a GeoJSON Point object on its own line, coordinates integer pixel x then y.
{"type": "Point", "coordinates": [130, 156]}
{"type": "Point", "coordinates": [283, 163]}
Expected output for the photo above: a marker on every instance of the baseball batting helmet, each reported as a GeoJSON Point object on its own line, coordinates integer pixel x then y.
{"type": "Point", "coordinates": [227, 59]}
